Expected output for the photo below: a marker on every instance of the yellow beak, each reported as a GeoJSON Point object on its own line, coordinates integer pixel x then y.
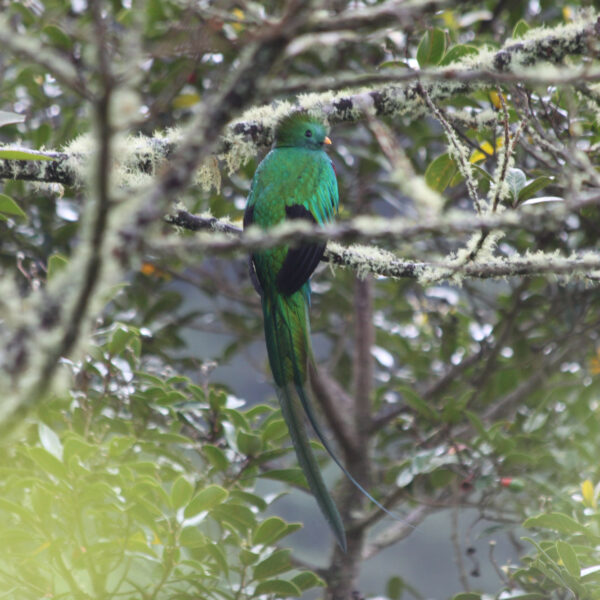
{"type": "Point", "coordinates": [327, 141]}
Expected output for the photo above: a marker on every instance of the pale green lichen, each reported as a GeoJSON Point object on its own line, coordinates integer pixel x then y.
{"type": "Point", "coordinates": [129, 151]}
{"type": "Point", "coordinates": [78, 152]}
{"type": "Point", "coordinates": [208, 175]}
{"type": "Point", "coordinates": [530, 46]}
{"type": "Point", "coordinates": [314, 103]}
{"type": "Point", "coordinates": [240, 152]}
{"type": "Point", "coordinates": [453, 268]}
{"type": "Point", "coordinates": [363, 259]}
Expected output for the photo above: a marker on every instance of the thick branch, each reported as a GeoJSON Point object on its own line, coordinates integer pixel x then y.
{"type": "Point", "coordinates": [400, 95]}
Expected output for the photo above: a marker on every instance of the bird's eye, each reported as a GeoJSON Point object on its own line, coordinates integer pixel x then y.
{"type": "Point", "coordinates": [308, 133]}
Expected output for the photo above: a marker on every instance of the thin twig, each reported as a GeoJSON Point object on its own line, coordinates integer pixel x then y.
{"type": "Point", "coordinates": [459, 151]}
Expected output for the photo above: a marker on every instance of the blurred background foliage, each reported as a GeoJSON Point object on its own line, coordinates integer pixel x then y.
{"type": "Point", "coordinates": [159, 471]}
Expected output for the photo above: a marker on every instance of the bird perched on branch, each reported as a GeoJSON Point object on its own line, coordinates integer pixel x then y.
{"type": "Point", "coordinates": [295, 180]}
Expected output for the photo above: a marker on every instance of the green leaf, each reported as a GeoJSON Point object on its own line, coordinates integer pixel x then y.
{"type": "Point", "coordinates": [275, 430]}
{"type": "Point", "coordinates": [238, 516]}
{"type": "Point", "coordinates": [10, 118]}
{"type": "Point", "coordinates": [467, 596]}
{"type": "Point", "coordinates": [257, 410]}
{"type": "Point", "coordinates": [270, 530]}
{"type": "Point", "coordinates": [248, 498]}
{"type": "Point", "coordinates": [279, 587]}
{"type": "Point", "coordinates": [215, 456]}
{"type": "Point", "coordinates": [48, 462]}
{"type": "Point", "coordinates": [10, 207]}
{"type": "Point", "coordinates": [482, 172]}
{"type": "Point", "coordinates": [418, 404]}
{"type": "Point", "coordinates": [307, 580]}
{"type": "Point", "coordinates": [293, 475]}
{"type": "Point", "coordinates": [515, 178]}
{"type": "Point", "coordinates": [56, 263]}
{"type": "Point", "coordinates": [457, 52]}
{"type": "Point", "coordinates": [77, 449]}
{"type": "Point", "coordinates": [58, 37]}
{"type": "Point", "coordinates": [248, 443]}
{"type": "Point", "coordinates": [394, 588]}
{"type": "Point", "coordinates": [477, 424]}
{"type": "Point", "coordinates": [22, 155]}
{"type": "Point", "coordinates": [555, 521]}
{"type": "Point", "coordinates": [520, 29]}
{"type": "Point", "coordinates": [278, 562]}
{"type": "Point", "coordinates": [534, 186]}
{"type": "Point", "coordinates": [394, 63]}
{"type": "Point", "coordinates": [119, 445]}
{"type": "Point", "coordinates": [440, 171]}
{"type": "Point", "coordinates": [248, 558]}
{"type": "Point", "coordinates": [181, 492]}
{"type": "Point", "coordinates": [568, 557]}
{"type": "Point", "coordinates": [207, 499]}
{"type": "Point", "coordinates": [192, 537]}
{"type": "Point", "coordinates": [50, 441]}
{"type": "Point", "coordinates": [431, 47]}
{"type": "Point", "coordinates": [17, 509]}
{"type": "Point", "coordinates": [442, 477]}
{"type": "Point", "coordinates": [535, 422]}
{"type": "Point", "coordinates": [121, 336]}
{"type": "Point", "coordinates": [218, 554]}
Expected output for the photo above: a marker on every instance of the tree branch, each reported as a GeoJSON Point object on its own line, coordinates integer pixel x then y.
{"type": "Point", "coordinates": [364, 259]}
{"type": "Point", "coordinates": [401, 96]}
{"type": "Point", "coordinates": [452, 223]}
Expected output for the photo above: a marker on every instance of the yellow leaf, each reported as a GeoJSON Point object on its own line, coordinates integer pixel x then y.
{"type": "Point", "coordinates": [186, 100]}
{"type": "Point", "coordinates": [238, 13]}
{"type": "Point", "coordinates": [478, 155]}
{"type": "Point", "coordinates": [449, 19]}
{"type": "Point", "coordinates": [495, 100]}
{"type": "Point", "coordinates": [587, 491]}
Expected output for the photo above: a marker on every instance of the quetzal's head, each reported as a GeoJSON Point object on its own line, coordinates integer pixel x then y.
{"type": "Point", "coordinates": [301, 130]}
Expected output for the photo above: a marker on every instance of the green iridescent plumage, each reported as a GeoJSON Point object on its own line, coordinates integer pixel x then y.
{"type": "Point", "coordinates": [295, 180]}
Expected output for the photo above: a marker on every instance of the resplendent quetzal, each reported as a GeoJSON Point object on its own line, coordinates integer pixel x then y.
{"type": "Point", "coordinates": [295, 180]}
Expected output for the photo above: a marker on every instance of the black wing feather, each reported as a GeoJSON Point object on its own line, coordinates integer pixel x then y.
{"type": "Point", "coordinates": [248, 216]}
{"type": "Point", "coordinates": [300, 262]}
